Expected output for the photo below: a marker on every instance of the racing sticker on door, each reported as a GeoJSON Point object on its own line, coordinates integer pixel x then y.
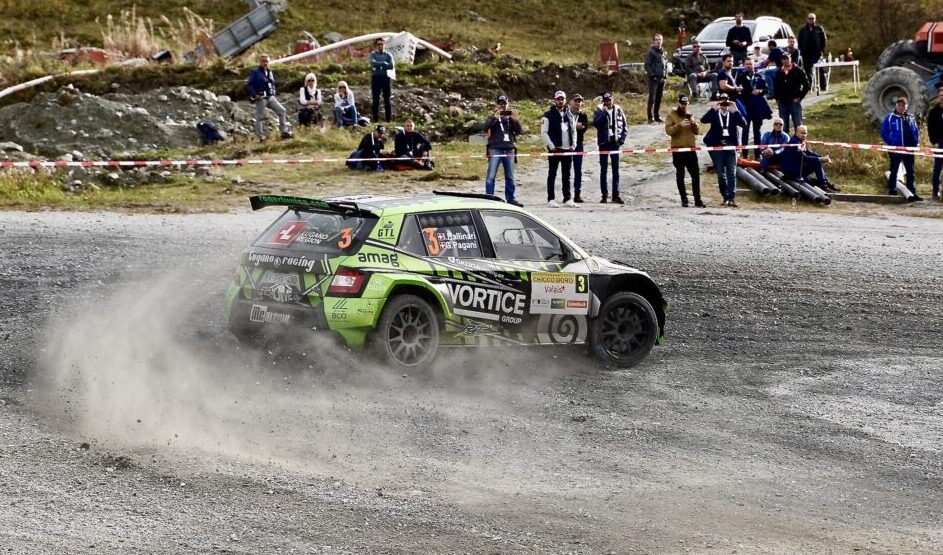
{"type": "Point", "coordinates": [559, 293]}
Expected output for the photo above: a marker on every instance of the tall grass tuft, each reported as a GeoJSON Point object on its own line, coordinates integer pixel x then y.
{"type": "Point", "coordinates": [130, 34]}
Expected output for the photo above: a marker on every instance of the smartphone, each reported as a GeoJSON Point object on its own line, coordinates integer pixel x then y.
{"type": "Point", "coordinates": [506, 113]}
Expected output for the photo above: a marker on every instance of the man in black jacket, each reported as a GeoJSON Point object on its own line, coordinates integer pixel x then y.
{"type": "Point", "coordinates": [411, 144]}
{"type": "Point", "coordinates": [369, 153]}
{"type": "Point", "coordinates": [790, 88]}
{"type": "Point", "coordinates": [559, 134]}
{"type": "Point", "coordinates": [812, 43]}
{"type": "Point", "coordinates": [935, 131]}
{"type": "Point", "coordinates": [581, 122]}
{"type": "Point", "coordinates": [739, 39]}
{"type": "Point", "coordinates": [656, 66]}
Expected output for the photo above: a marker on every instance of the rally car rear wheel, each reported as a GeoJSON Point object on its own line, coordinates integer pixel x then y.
{"type": "Point", "coordinates": [625, 330]}
{"type": "Point", "coordinates": [408, 332]}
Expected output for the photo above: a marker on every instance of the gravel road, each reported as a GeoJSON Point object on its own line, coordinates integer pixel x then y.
{"type": "Point", "coordinates": [795, 408]}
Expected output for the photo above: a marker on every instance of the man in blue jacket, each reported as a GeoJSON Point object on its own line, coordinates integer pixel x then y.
{"type": "Point", "coordinates": [502, 128]}
{"type": "Point", "coordinates": [899, 128]}
{"type": "Point", "coordinates": [381, 63]}
{"type": "Point", "coordinates": [261, 91]}
{"type": "Point", "coordinates": [611, 131]}
{"type": "Point", "coordinates": [800, 161]}
{"type": "Point", "coordinates": [726, 124]}
{"type": "Point", "coordinates": [771, 153]}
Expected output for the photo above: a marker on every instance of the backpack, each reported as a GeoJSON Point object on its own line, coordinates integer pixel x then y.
{"type": "Point", "coordinates": [209, 133]}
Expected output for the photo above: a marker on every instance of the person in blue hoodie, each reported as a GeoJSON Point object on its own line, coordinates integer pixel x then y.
{"type": "Point", "coordinates": [725, 128]}
{"type": "Point", "coordinates": [800, 161]}
{"type": "Point", "coordinates": [261, 90]}
{"type": "Point", "coordinates": [611, 131]}
{"type": "Point", "coordinates": [899, 128]}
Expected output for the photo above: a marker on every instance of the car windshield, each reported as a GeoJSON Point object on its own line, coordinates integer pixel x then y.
{"type": "Point", "coordinates": [319, 232]}
{"type": "Point", "coordinates": [717, 31]}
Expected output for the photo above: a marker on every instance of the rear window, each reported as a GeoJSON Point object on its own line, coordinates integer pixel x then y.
{"type": "Point", "coordinates": [316, 232]}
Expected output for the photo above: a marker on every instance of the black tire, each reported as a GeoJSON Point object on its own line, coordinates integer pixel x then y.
{"type": "Point", "coordinates": [407, 334]}
{"type": "Point", "coordinates": [886, 85]}
{"type": "Point", "coordinates": [898, 54]}
{"type": "Point", "coordinates": [625, 330]}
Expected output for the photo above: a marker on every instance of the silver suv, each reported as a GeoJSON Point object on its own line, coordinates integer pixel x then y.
{"type": "Point", "coordinates": [713, 39]}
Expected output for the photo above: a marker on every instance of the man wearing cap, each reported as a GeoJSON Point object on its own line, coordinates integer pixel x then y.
{"type": "Point", "coordinates": [726, 123]}
{"type": "Point", "coordinates": [683, 130]}
{"type": "Point", "coordinates": [656, 66]}
{"type": "Point", "coordinates": [581, 122]}
{"type": "Point", "coordinates": [899, 128]}
{"type": "Point", "coordinates": [771, 153]}
{"type": "Point", "coordinates": [559, 134]}
{"type": "Point", "coordinates": [611, 131]}
{"type": "Point", "coordinates": [502, 129]}
{"type": "Point", "coordinates": [697, 68]}
{"type": "Point", "coordinates": [935, 131]}
{"type": "Point", "coordinates": [370, 151]}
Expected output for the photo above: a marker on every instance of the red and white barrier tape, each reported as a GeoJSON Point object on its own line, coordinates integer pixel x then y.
{"type": "Point", "coordinates": [919, 151]}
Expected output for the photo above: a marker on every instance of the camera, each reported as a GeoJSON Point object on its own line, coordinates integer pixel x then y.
{"type": "Point", "coordinates": [506, 113]}
{"type": "Point", "coordinates": [687, 116]}
{"type": "Point", "coordinates": [725, 103]}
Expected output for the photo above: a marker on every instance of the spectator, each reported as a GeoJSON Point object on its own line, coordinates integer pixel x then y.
{"type": "Point", "coordinates": [345, 110]}
{"type": "Point", "coordinates": [411, 144]}
{"type": "Point", "coordinates": [935, 131]}
{"type": "Point", "coordinates": [793, 52]}
{"type": "Point", "coordinates": [656, 66]}
{"type": "Point", "coordinates": [369, 154]}
{"type": "Point", "coordinates": [309, 97]}
{"type": "Point", "coordinates": [798, 162]}
{"type": "Point", "coordinates": [581, 122]}
{"type": "Point", "coordinates": [559, 134]}
{"type": "Point", "coordinates": [697, 69]}
{"type": "Point", "coordinates": [382, 70]}
{"type": "Point", "coordinates": [753, 99]}
{"type": "Point", "coordinates": [812, 44]}
{"type": "Point", "coordinates": [773, 62]}
{"type": "Point", "coordinates": [791, 87]}
{"type": "Point", "coordinates": [725, 124]}
{"type": "Point", "coordinates": [759, 59]}
{"type": "Point", "coordinates": [899, 128]}
{"type": "Point", "coordinates": [502, 128]}
{"type": "Point", "coordinates": [611, 131]}
{"type": "Point", "coordinates": [726, 84]}
{"type": "Point", "coordinates": [683, 130]}
{"type": "Point", "coordinates": [848, 56]}
{"type": "Point", "coordinates": [261, 91]}
{"type": "Point", "coordinates": [739, 39]}
{"type": "Point", "coordinates": [771, 154]}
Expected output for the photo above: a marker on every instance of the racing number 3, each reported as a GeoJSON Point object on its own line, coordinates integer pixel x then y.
{"type": "Point", "coordinates": [431, 242]}
{"type": "Point", "coordinates": [346, 239]}
{"type": "Point", "coordinates": [580, 284]}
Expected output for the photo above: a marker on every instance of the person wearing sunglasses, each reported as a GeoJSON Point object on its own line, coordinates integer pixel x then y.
{"type": "Point", "coordinates": [309, 97]}
{"type": "Point", "coordinates": [777, 136]}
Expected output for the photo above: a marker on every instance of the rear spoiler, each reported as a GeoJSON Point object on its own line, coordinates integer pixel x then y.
{"type": "Point", "coordinates": [467, 195]}
{"type": "Point", "coordinates": [342, 207]}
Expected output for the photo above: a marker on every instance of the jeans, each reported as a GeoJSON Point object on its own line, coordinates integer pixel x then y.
{"type": "Point", "coordinates": [790, 110]}
{"type": "Point", "coordinates": [380, 84]}
{"type": "Point", "coordinates": [656, 86]}
{"type": "Point", "coordinates": [769, 75]}
{"type": "Point", "coordinates": [687, 161]}
{"type": "Point", "coordinates": [725, 164]}
{"type": "Point", "coordinates": [604, 160]}
{"type": "Point", "coordinates": [496, 159]}
{"type": "Point", "coordinates": [577, 171]}
{"type": "Point", "coordinates": [907, 160]}
{"type": "Point", "coordinates": [565, 162]}
{"type": "Point", "coordinates": [348, 120]}
{"type": "Point", "coordinates": [757, 125]}
{"type": "Point", "coordinates": [937, 167]}
{"type": "Point", "coordinates": [261, 116]}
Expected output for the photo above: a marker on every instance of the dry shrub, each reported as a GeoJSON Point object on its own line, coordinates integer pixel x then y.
{"type": "Point", "coordinates": [136, 36]}
{"type": "Point", "coordinates": [188, 32]}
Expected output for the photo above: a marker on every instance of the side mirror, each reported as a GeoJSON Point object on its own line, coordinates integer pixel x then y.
{"type": "Point", "coordinates": [763, 38]}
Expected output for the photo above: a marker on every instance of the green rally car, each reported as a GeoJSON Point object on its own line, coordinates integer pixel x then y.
{"type": "Point", "coordinates": [407, 276]}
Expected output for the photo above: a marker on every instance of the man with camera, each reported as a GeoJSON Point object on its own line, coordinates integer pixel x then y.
{"type": "Point", "coordinates": [502, 128]}
{"type": "Point", "coordinates": [683, 130]}
{"type": "Point", "coordinates": [558, 131]}
{"type": "Point", "coordinates": [726, 123]}
{"type": "Point", "coordinates": [611, 131]}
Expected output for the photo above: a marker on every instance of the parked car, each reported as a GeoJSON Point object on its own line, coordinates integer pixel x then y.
{"type": "Point", "coordinates": [713, 39]}
{"type": "Point", "coordinates": [408, 275]}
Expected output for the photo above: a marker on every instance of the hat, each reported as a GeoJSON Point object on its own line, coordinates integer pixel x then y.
{"type": "Point", "coordinates": [682, 99]}
{"type": "Point", "coordinates": [580, 97]}
{"type": "Point", "coordinates": [722, 97]}
{"type": "Point", "coordinates": [502, 99]}
{"type": "Point", "coordinates": [381, 129]}
{"type": "Point", "coordinates": [607, 96]}
{"type": "Point", "coordinates": [559, 94]}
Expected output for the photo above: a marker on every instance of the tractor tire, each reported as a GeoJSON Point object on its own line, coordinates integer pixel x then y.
{"type": "Point", "coordinates": [898, 54]}
{"type": "Point", "coordinates": [885, 86]}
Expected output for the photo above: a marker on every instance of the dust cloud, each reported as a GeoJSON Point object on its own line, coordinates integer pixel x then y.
{"type": "Point", "coordinates": [151, 365]}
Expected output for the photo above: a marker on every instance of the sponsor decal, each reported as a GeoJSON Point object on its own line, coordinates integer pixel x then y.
{"type": "Point", "coordinates": [559, 293]}
{"type": "Point", "coordinates": [281, 293]}
{"type": "Point", "coordinates": [261, 313]}
{"type": "Point", "coordinates": [557, 304]}
{"type": "Point", "coordinates": [276, 277]}
{"type": "Point", "coordinates": [577, 304]}
{"type": "Point", "coordinates": [378, 258]}
{"type": "Point", "coordinates": [278, 261]}
{"type": "Point", "coordinates": [340, 305]}
{"type": "Point", "coordinates": [313, 237]}
{"type": "Point", "coordinates": [287, 233]}
{"type": "Point", "coordinates": [514, 320]}
{"type": "Point", "coordinates": [481, 302]}
{"type": "Point", "coordinates": [386, 230]}
{"type": "Point", "coordinates": [338, 316]}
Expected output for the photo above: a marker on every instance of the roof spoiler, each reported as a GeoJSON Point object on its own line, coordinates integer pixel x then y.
{"type": "Point", "coordinates": [343, 207]}
{"type": "Point", "coordinates": [468, 195]}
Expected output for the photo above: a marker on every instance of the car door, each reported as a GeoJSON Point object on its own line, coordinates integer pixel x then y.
{"type": "Point", "coordinates": [530, 258]}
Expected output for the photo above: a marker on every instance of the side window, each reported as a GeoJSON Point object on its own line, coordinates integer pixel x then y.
{"type": "Point", "coordinates": [410, 238]}
{"type": "Point", "coordinates": [518, 237]}
{"type": "Point", "coordinates": [781, 35]}
{"type": "Point", "coordinates": [449, 234]}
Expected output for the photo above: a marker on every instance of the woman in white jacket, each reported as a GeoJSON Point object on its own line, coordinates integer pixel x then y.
{"type": "Point", "coordinates": [345, 111]}
{"type": "Point", "coordinates": [310, 99]}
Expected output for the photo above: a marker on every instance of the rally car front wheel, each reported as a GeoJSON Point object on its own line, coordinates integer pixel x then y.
{"type": "Point", "coordinates": [625, 330]}
{"type": "Point", "coordinates": [408, 332]}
